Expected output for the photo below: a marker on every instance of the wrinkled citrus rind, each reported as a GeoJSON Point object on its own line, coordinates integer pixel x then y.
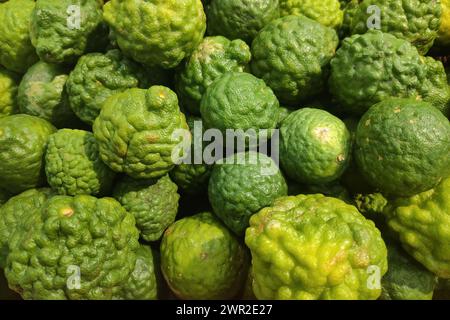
{"type": "Point", "coordinates": [16, 51]}
{"type": "Point", "coordinates": [142, 284]}
{"type": "Point", "coordinates": [361, 76]}
{"type": "Point", "coordinates": [327, 12]}
{"type": "Point", "coordinates": [23, 140]}
{"type": "Point", "coordinates": [14, 212]}
{"type": "Point", "coordinates": [211, 59]}
{"type": "Point", "coordinates": [406, 279]}
{"type": "Point", "coordinates": [291, 55]}
{"type": "Point", "coordinates": [42, 94]}
{"type": "Point", "coordinates": [156, 33]}
{"type": "Point", "coordinates": [137, 131]}
{"type": "Point", "coordinates": [416, 21]}
{"type": "Point", "coordinates": [9, 83]}
{"type": "Point", "coordinates": [98, 76]}
{"type": "Point", "coordinates": [76, 248]}
{"type": "Point", "coordinates": [421, 223]}
{"type": "Point", "coordinates": [154, 204]}
{"type": "Point", "coordinates": [242, 185]}
{"type": "Point", "coordinates": [240, 19]}
{"type": "Point", "coordinates": [254, 108]}
{"type": "Point", "coordinates": [63, 30]}
{"type": "Point", "coordinates": [338, 254]}
{"type": "Point", "coordinates": [73, 165]}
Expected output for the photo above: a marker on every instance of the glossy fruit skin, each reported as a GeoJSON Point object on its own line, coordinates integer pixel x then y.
{"type": "Point", "coordinates": [57, 34]}
{"type": "Point", "coordinates": [192, 177]}
{"type": "Point", "coordinates": [241, 185]}
{"type": "Point", "coordinates": [154, 204]}
{"type": "Point", "coordinates": [314, 247]}
{"type": "Point", "coordinates": [327, 12]}
{"type": "Point", "coordinates": [403, 146]}
{"type": "Point", "coordinates": [315, 146]}
{"type": "Point", "coordinates": [136, 131]}
{"type": "Point", "coordinates": [98, 76]}
{"type": "Point", "coordinates": [291, 55]}
{"type": "Point", "coordinates": [73, 165]}
{"type": "Point", "coordinates": [375, 66]}
{"type": "Point", "coordinates": [421, 223]}
{"type": "Point", "coordinates": [16, 210]}
{"type": "Point", "coordinates": [23, 140]}
{"type": "Point", "coordinates": [416, 21]}
{"type": "Point", "coordinates": [201, 259]}
{"type": "Point", "coordinates": [42, 94]}
{"type": "Point", "coordinates": [142, 283]}
{"type": "Point", "coordinates": [9, 81]}
{"type": "Point", "coordinates": [209, 61]}
{"type": "Point", "coordinates": [97, 237]}
{"type": "Point", "coordinates": [16, 51]}
{"type": "Point", "coordinates": [157, 32]}
{"type": "Point", "coordinates": [240, 19]}
{"type": "Point", "coordinates": [239, 100]}
{"type": "Point", "coordinates": [406, 279]}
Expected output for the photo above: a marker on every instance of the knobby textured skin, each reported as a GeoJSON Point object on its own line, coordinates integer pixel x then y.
{"type": "Point", "coordinates": [372, 67]}
{"type": "Point", "coordinates": [443, 38]}
{"type": "Point", "coordinates": [209, 61]}
{"type": "Point", "coordinates": [327, 12]}
{"type": "Point", "coordinates": [98, 76]}
{"type": "Point", "coordinates": [314, 247]}
{"type": "Point", "coordinates": [291, 55]}
{"type": "Point", "coordinates": [416, 21]}
{"type": "Point", "coordinates": [156, 32]}
{"type": "Point", "coordinates": [422, 222]}
{"type": "Point", "coordinates": [239, 100]}
{"type": "Point", "coordinates": [240, 19]}
{"type": "Point", "coordinates": [23, 140]}
{"type": "Point", "coordinates": [73, 165]}
{"type": "Point", "coordinates": [371, 205]}
{"type": "Point", "coordinates": [42, 94]}
{"type": "Point", "coordinates": [406, 279]}
{"type": "Point", "coordinates": [57, 35]}
{"type": "Point", "coordinates": [350, 8]}
{"type": "Point", "coordinates": [142, 283]}
{"type": "Point", "coordinates": [76, 248]}
{"type": "Point", "coordinates": [201, 259]}
{"type": "Point", "coordinates": [136, 131]}
{"type": "Point", "coordinates": [315, 146]}
{"type": "Point", "coordinates": [191, 177]}
{"type": "Point", "coordinates": [16, 51]}
{"type": "Point", "coordinates": [403, 146]}
{"type": "Point", "coordinates": [9, 82]}
{"type": "Point", "coordinates": [14, 212]}
{"type": "Point", "coordinates": [241, 185]}
{"type": "Point", "coordinates": [154, 204]}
